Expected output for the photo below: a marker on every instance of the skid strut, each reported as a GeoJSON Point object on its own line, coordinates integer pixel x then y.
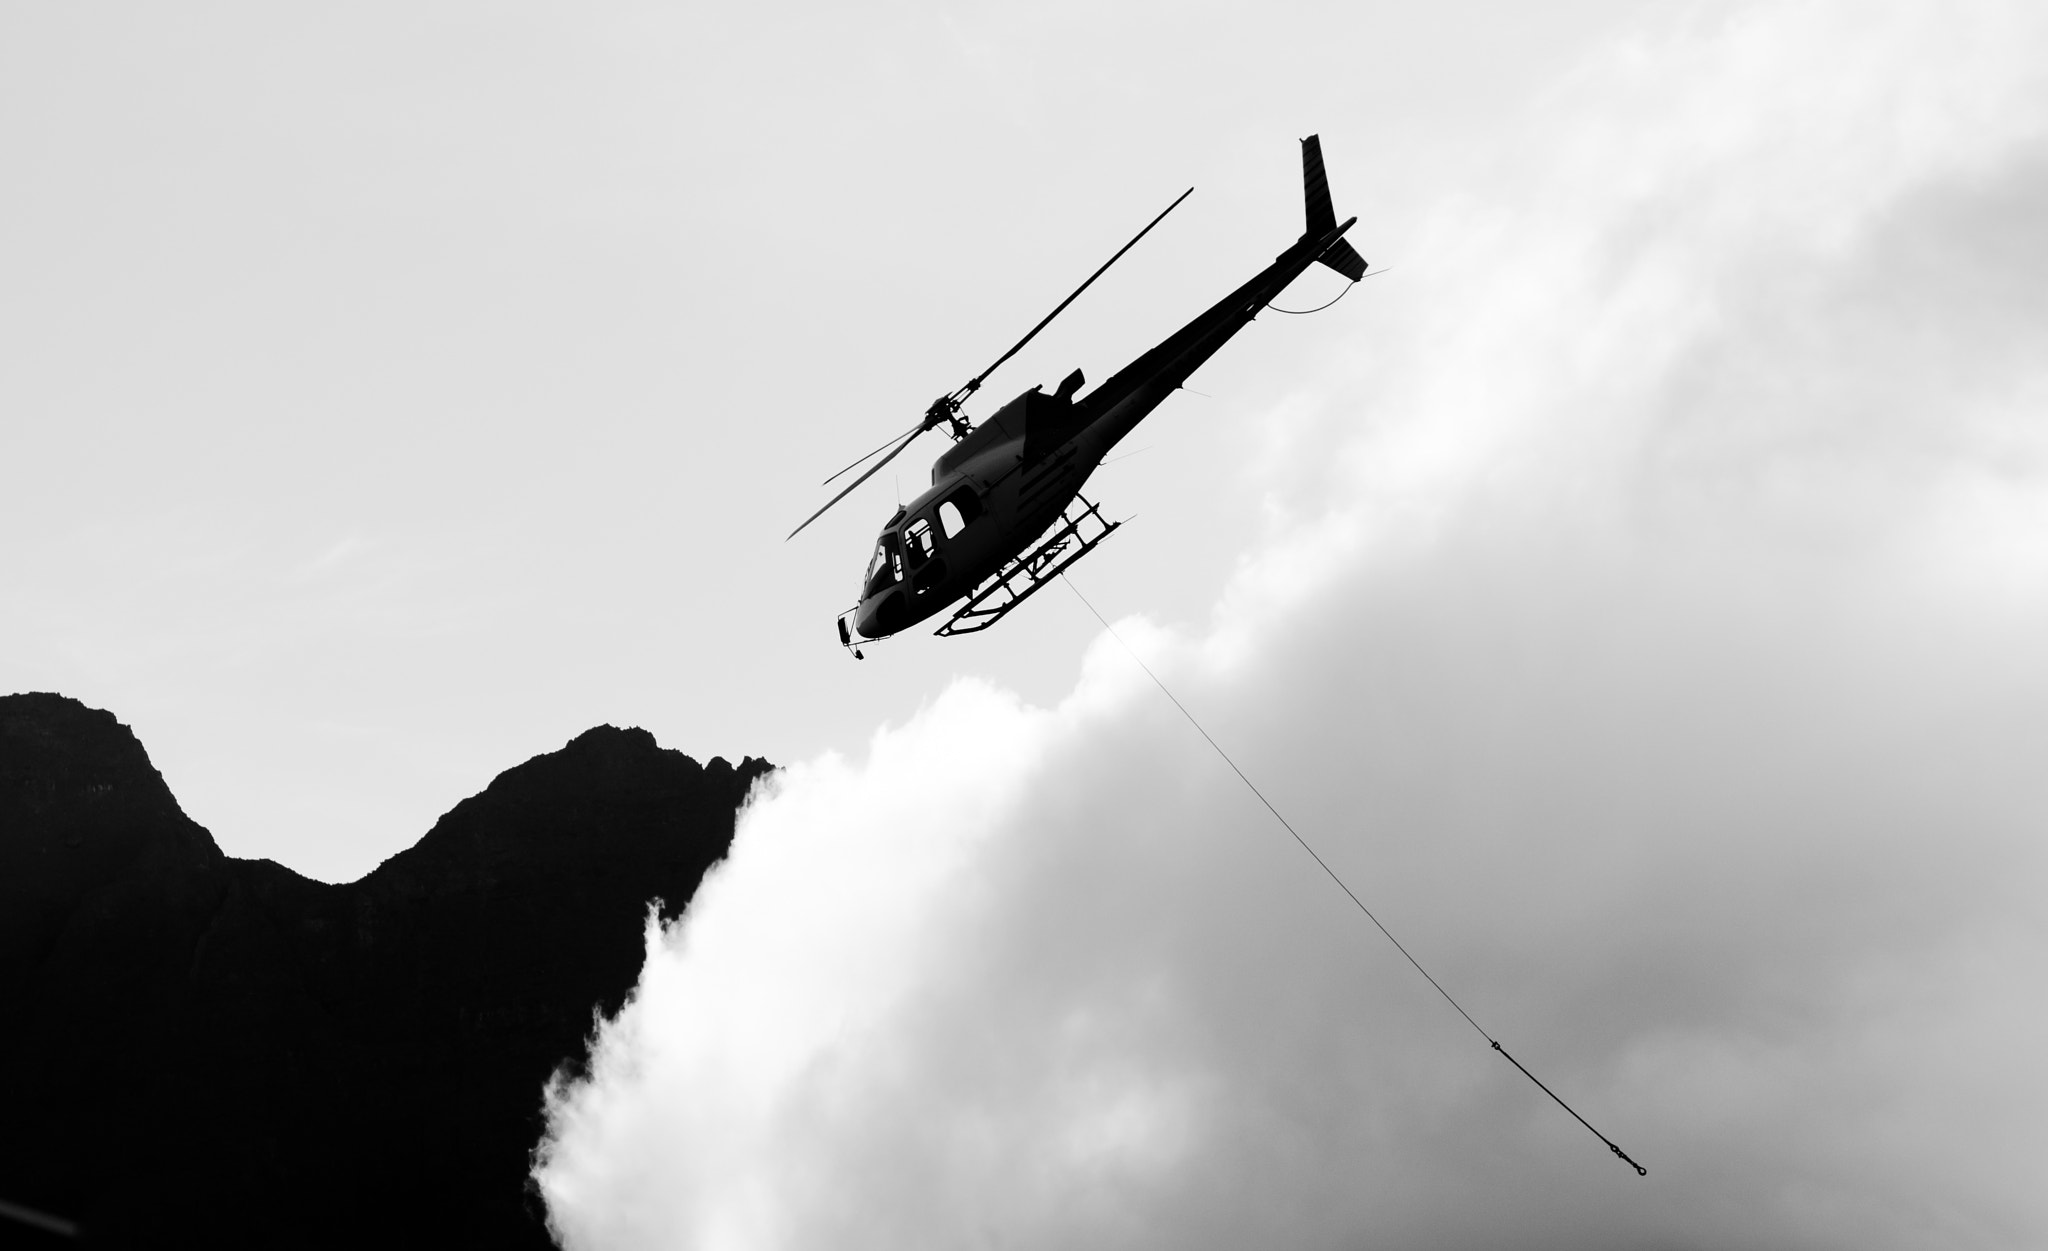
{"type": "Point", "coordinates": [1080, 529]}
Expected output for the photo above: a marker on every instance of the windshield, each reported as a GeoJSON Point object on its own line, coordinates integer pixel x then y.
{"type": "Point", "coordinates": [884, 569]}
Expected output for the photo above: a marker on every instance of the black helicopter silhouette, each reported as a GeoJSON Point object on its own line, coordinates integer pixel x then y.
{"type": "Point", "coordinates": [1018, 475]}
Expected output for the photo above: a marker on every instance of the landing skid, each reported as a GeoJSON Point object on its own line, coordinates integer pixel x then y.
{"type": "Point", "coordinates": [1081, 528]}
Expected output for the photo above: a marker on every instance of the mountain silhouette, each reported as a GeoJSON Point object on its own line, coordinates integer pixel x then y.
{"type": "Point", "coordinates": [202, 1050]}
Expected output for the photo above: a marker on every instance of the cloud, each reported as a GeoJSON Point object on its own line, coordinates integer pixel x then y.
{"type": "Point", "coordinates": [1659, 658]}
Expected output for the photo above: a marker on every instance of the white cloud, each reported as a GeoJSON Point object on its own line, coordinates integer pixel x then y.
{"type": "Point", "coordinates": [1662, 664]}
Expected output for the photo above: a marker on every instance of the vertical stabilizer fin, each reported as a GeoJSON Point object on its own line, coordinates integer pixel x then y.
{"type": "Point", "coordinates": [1322, 218]}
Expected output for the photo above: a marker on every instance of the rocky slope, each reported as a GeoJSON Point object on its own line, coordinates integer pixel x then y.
{"type": "Point", "coordinates": [202, 1050]}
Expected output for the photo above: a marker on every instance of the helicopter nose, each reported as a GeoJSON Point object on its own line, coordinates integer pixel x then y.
{"type": "Point", "coordinates": [851, 635]}
{"type": "Point", "coordinates": [879, 617]}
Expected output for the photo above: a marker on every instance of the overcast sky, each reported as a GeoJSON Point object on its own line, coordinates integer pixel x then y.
{"type": "Point", "coordinates": [395, 391]}
{"type": "Point", "coordinates": [1636, 594]}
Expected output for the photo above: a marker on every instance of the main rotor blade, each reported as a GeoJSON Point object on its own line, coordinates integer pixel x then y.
{"type": "Point", "coordinates": [976, 383]}
{"type": "Point", "coordinates": [856, 464]}
{"type": "Point", "coordinates": [934, 416]}
{"type": "Point", "coordinates": [921, 428]}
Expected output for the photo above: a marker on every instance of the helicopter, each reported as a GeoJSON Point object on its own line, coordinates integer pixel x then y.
{"type": "Point", "coordinates": [1005, 514]}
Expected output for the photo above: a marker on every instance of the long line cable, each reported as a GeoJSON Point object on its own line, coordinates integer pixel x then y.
{"type": "Point", "coordinates": [1325, 867]}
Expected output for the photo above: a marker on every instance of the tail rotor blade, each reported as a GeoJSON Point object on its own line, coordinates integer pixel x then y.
{"type": "Point", "coordinates": [849, 488]}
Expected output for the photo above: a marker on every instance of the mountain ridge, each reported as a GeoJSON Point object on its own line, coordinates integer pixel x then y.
{"type": "Point", "coordinates": [197, 1041]}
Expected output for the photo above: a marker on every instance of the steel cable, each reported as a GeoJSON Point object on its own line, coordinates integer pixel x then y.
{"type": "Point", "coordinates": [1325, 867]}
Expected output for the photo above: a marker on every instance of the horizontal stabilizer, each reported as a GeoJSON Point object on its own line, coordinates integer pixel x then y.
{"type": "Point", "coordinates": [1344, 260]}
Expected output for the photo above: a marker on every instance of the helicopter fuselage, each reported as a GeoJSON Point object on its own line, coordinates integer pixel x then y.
{"type": "Point", "coordinates": [1002, 485]}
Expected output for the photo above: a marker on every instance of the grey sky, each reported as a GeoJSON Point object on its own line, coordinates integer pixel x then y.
{"type": "Point", "coordinates": [395, 391]}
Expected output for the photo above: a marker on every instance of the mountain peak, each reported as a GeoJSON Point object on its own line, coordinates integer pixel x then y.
{"type": "Point", "coordinates": [82, 810]}
{"type": "Point", "coordinates": [608, 791]}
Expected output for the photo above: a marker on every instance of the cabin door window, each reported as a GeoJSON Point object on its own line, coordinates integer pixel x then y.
{"type": "Point", "coordinates": [959, 510]}
{"type": "Point", "coordinates": [919, 545]}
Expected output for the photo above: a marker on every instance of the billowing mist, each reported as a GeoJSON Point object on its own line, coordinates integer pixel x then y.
{"type": "Point", "coordinates": [1649, 626]}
